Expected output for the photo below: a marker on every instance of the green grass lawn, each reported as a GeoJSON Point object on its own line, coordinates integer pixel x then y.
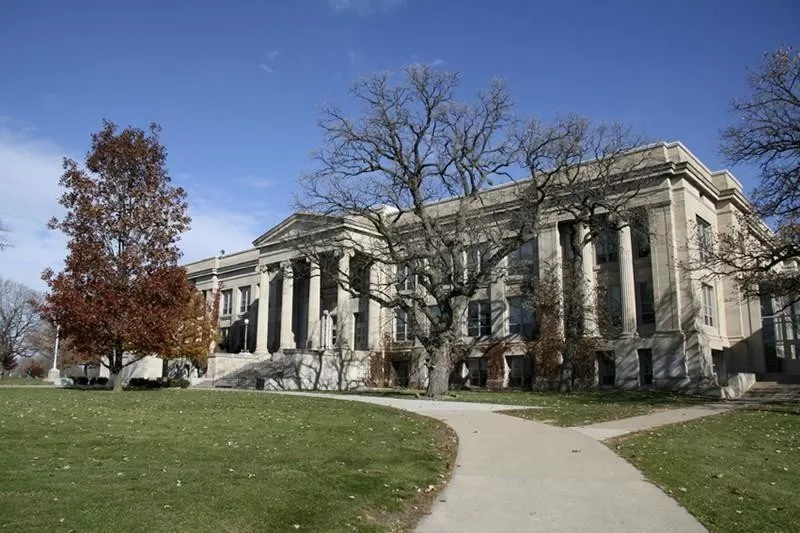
{"type": "Point", "coordinates": [736, 472]}
{"type": "Point", "coordinates": [6, 380]}
{"type": "Point", "coordinates": [183, 460]}
{"type": "Point", "coordinates": [575, 409]}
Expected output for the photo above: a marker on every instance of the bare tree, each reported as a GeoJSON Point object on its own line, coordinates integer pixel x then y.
{"type": "Point", "coordinates": [768, 135]}
{"type": "Point", "coordinates": [19, 322]}
{"type": "Point", "coordinates": [423, 182]}
{"type": "Point", "coordinates": [413, 172]}
{"type": "Point", "coordinates": [589, 175]}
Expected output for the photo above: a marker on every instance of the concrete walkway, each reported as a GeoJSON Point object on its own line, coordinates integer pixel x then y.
{"type": "Point", "coordinates": [615, 428]}
{"type": "Point", "coordinates": [517, 475]}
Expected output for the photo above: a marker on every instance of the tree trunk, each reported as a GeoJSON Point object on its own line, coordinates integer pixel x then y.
{"type": "Point", "coordinates": [574, 301]}
{"type": "Point", "coordinates": [116, 378]}
{"type": "Point", "coordinates": [115, 368]}
{"type": "Point", "coordinates": [438, 372]}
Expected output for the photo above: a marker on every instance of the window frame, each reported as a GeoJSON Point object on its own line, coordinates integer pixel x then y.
{"type": "Point", "coordinates": [705, 245]}
{"type": "Point", "coordinates": [406, 328]}
{"type": "Point", "coordinates": [709, 301]}
{"type": "Point", "coordinates": [526, 330]}
{"type": "Point", "coordinates": [227, 302]}
{"type": "Point", "coordinates": [482, 311]}
{"type": "Point", "coordinates": [606, 247]}
{"type": "Point", "coordinates": [244, 303]}
{"type": "Point", "coordinates": [405, 278]}
{"type": "Point", "coordinates": [646, 316]}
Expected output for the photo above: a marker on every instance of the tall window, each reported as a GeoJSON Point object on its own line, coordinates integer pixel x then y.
{"type": "Point", "coordinates": [478, 372]}
{"type": "Point", "coordinates": [614, 301]}
{"type": "Point", "coordinates": [244, 299]}
{"type": "Point", "coordinates": [520, 318]}
{"type": "Point", "coordinates": [611, 305]}
{"type": "Point", "coordinates": [645, 366]}
{"type": "Point", "coordinates": [647, 308]}
{"type": "Point", "coordinates": [521, 373]}
{"type": "Point", "coordinates": [227, 302]}
{"type": "Point", "coordinates": [641, 239]}
{"type": "Point", "coordinates": [361, 341]}
{"type": "Point", "coordinates": [704, 239]}
{"type": "Point", "coordinates": [479, 318]}
{"type": "Point", "coordinates": [709, 305]}
{"type": "Point", "coordinates": [476, 256]}
{"type": "Point", "coordinates": [406, 278]}
{"type": "Point", "coordinates": [607, 247]}
{"type": "Point", "coordinates": [402, 329]}
{"type": "Point", "coordinates": [524, 258]}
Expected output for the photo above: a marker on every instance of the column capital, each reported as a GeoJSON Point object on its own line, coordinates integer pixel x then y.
{"type": "Point", "coordinates": [268, 268]}
{"type": "Point", "coordinates": [341, 253]}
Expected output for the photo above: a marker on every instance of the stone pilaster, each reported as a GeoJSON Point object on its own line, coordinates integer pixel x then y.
{"type": "Point", "coordinates": [287, 304]}
{"type": "Point", "coordinates": [590, 284]}
{"type": "Point", "coordinates": [344, 315]}
{"type": "Point", "coordinates": [626, 282]}
{"type": "Point", "coordinates": [497, 299]}
{"type": "Point", "coordinates": [374, 308]}
{"type": "Point", "coordinates": [313, 333]}
{"type": "Point", "coordinates": [552, 262]}
{"type": "Point", "coordinates": [262, 328]}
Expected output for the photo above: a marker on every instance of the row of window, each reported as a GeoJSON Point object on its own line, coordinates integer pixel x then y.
{"type": "Point", "coordinates": [523, 257]}
{"type": "Point", "coordinates": [521, 320]}
{"type": "Point", "coordinates": [606, 251]}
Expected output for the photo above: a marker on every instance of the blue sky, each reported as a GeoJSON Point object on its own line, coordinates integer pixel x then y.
{"type": "Point", "coordinates": [237, 86]}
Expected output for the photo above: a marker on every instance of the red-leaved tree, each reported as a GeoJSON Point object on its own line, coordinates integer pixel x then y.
{"type": "Point", "coordinates": [121, 294]}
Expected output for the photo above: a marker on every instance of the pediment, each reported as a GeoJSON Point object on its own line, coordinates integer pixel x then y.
{"type": "Point", "coordinates": [298, 224]}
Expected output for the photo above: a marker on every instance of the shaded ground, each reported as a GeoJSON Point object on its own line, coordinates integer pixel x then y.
{"type": "Point", "coordinates": [736, 472]}
{"type": "Point", "coordinates": [175, 460]}
{"type": "Point", "coordinates": [575, 409]}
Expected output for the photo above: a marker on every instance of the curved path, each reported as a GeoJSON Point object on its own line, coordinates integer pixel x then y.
{"type": "Point", "coordinates": [517, 475]}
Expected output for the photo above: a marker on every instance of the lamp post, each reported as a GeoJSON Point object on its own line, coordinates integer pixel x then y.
{"type": "Point", "coordinates": [246, 347]}
{"type": "Point", "coordinates": [54, 375]}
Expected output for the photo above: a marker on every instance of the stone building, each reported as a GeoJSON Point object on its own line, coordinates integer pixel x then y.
{"type": "Point", "coordinates": [287, 320]}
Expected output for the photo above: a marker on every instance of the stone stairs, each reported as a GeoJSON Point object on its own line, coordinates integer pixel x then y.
{"type": "Point", "coordinates": [774, 391]}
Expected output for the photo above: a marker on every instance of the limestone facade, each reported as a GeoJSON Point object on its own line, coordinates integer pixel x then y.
{"type": "Point", "coordinates": [290, 322]}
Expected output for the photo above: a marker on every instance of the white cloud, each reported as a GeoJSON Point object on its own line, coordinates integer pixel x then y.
{"type": "Point", "coordinates": [364, 7]}
{"type": "Point", "coordinates": [214, 229]}
{"type": "Point", "coordinates": [266, 68]}
{"type": "Point", "coordinates": [437, 62]}
{"type": "Point", "coordinates": [29, 173]}
{"type": "Point", "coordinates": [217, 225]}
{"type": "Point", "coordinates": [271, 54]}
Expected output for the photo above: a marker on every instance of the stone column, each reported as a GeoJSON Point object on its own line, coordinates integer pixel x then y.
{"type": "Point", "coordinates": [287, 335]}
{"type": "Point", "coordinates": [627, 282]}
{"type": "Point", "coordinates": [374, 308]}
{"type": "Point", "coordinates": [312, 331]}
{"type": "Point", "coordinates": [262, 328]}
{"type": "Point", "coordinates": [590, 283]}
{"type": "Point", "coordinates": [497, 302]}
{"type": "Point", "coordinates": [344, 316]}
{"type": "Point", "coordinates": [551, 258]}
